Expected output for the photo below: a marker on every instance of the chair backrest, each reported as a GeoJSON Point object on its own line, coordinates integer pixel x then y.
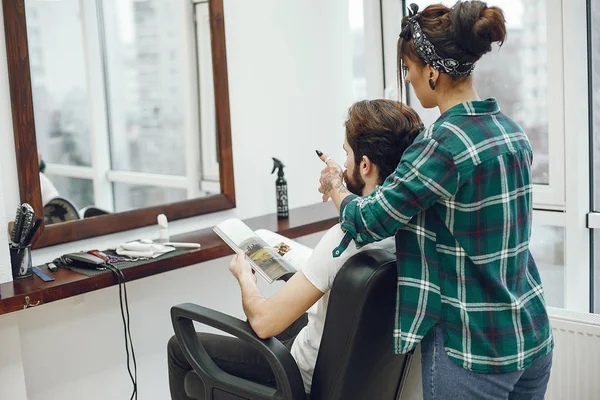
{"type": "Point", "coordinates": [356, 358]}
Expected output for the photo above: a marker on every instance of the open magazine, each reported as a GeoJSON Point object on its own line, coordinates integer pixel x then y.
{"type": "Point", "coordinates": [271, 255]}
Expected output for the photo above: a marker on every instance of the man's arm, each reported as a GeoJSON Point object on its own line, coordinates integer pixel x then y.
{"type": "Point", "coordinates": [332, 185]}
{"type": "Point", "coordinates": [270, 316]}
{"type": "Point", "coordinates": [339, 193]}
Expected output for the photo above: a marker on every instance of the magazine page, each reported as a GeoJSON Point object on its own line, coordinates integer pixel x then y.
{"type": "Point", "coordinates": [263, 259]}
{"type": "Point", "coordinates": [236, 231]}
{"type": "Point", "coordinates": [292, 251]}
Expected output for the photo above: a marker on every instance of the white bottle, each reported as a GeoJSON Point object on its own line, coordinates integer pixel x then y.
{"type": "Point", "coordinates": [163, 228]}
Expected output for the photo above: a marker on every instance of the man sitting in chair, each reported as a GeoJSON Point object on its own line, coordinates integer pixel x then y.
{"type": "Point", "coordinates": [377, 133]}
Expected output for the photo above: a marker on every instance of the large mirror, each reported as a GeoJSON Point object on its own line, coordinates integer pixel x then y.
{"type": "Point", "coordinates": [120, 112]}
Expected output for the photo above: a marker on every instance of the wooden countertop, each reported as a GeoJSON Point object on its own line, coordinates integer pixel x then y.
{"type": "Point", "coordinates": [301, 222]}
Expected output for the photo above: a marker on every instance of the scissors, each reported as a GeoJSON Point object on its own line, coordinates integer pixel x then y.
{"type": "Point", "coordinates": [114, 259]}
{"type": "Point", "coordinates": [117, 259]}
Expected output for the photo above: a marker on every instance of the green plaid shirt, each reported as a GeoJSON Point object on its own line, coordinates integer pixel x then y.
{"type": "Point", "coordinates": [460, 206]}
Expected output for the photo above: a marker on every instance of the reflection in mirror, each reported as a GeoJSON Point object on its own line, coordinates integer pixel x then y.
{"type": "Point", "coordinates": [123, 102]}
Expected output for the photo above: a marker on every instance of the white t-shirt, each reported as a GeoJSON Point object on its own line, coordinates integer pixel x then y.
{"type": "Point", "coordinates": [321, 269]}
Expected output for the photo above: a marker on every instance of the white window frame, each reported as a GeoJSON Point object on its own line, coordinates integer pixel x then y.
{"type": "Point", "coordinates": [374, 60]}
{"type": "Point", "coordinates": [99, 140]}
{"type": "Point", "coordinates": [391, 23]}
{"type": "Point", "coordinates": [593, 217]}
{"type": "Point", "coordinates": [100, 173]}
{"type": "Point", "coordinates": [552, 196]}
{"type": "Point", "coordinates": [577, 160]}
{"type": "Point", "coordinates": [207, 109]}
{"type": "Point", "coordinates": [541, 219]}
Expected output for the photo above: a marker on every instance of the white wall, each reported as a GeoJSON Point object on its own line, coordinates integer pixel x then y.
{"type": "Point", "coordinates": [8, 169]}
{"type": "Point", "coordinates": [290, 86]}
{"type": "Point", "coordinates": [5, 270]}
{"type": "Point", "coordinates": [12, 377]}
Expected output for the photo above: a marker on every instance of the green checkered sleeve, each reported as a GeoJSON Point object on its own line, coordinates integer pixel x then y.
{"type": "Point", "coordinates": [426, 174]}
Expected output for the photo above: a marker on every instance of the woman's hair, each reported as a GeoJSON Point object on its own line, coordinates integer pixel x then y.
{"type": "Point", "coordinates": [381, 130]}
{"type": "Point", "coordinates": [464, 32]}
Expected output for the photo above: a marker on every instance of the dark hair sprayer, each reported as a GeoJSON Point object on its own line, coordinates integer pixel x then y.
{"type": "Point", "coordinates": [280, 190]}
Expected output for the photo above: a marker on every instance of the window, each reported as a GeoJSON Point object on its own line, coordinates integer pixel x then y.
{"type": "Point", "coordinates": [116, 109]}
{"type": "Point", "coordinates": [364, 21]}
{"type": "Point", "coordinates": [547, 246]}
{"type": "Point", "coordinates": [60, 92]}
{"type": "Point", "coordinates": [518, 75]}
{"type": "Point", "coordinates": [79, 191]}
{"type": "Point", "coordinates": [357, 33]}
{"type": "Point", "coordinates": [130, 197]}
{"type": "Point", "coordinates": [514, 74]}
{"type": "Point", "coordinates": [594, 220]}
{"type": "Point", "coordinates": [210, 162]}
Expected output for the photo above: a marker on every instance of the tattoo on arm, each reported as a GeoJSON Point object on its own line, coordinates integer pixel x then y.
{"type": "Point", "coordinates": [328, 186]}
{"type": "Point", "coordinates": [329, 176]}
{"type": "Point", "coordinates": [341, 189]}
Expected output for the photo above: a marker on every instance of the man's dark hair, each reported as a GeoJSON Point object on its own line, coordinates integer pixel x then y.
{"type": "Point", "coordinates": [381, 130]}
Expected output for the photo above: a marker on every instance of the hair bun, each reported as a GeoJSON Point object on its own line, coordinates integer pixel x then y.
{"type": "Point", "coordinates": [477, 26]}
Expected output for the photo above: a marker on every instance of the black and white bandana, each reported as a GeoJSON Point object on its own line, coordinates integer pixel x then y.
{"type": "Point", "coordinates": [426, 51]}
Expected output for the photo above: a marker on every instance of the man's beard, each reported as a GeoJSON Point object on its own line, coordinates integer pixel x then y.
{"type": "Point", "coordinates": [356, 184]}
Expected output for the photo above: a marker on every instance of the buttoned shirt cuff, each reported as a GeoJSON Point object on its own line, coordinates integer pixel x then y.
{"type": "Point", "coordinates": [348, 228]}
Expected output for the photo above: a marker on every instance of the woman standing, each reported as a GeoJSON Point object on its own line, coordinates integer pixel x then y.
{"type": "Point", "coordinates": [460, 207]}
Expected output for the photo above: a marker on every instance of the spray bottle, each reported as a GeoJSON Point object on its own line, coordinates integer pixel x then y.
{"type": "Point", "coordinates": [280, 190]}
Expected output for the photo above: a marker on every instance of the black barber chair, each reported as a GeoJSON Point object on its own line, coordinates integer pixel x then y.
{"type": "Point", "coordinates": [356, 359]}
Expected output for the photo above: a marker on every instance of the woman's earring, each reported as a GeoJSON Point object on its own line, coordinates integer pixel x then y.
{"type": "Point", "coordinates": [431, 84]}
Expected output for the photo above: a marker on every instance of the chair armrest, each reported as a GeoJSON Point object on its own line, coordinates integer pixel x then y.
{"type": "Point", "coordinates": [287, 375]}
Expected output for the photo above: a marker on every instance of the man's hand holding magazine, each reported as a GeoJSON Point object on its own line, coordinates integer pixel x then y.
{"type": "Point", "coordinates": [240, 266]}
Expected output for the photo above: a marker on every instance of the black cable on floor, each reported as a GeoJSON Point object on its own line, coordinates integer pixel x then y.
{"type": "Point", "coordinates": [126, 326]}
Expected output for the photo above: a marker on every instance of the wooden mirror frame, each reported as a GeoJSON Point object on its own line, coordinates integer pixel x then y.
{"type": "Point", "coordinates": [15, 29]}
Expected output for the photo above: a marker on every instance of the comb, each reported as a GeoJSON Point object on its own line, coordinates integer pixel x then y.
{"type": "Point", "coordinates": [17, 225]}
{"type": "Point", "coordinates": [27, 238]}
{"type": "Point", "coordinates": [26, 207]}
{"type": "Point", "coordinates": [28, 221]}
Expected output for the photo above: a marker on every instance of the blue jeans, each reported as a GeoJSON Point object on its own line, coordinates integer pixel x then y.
{"type": "Point", "coordinates": [444, 379]}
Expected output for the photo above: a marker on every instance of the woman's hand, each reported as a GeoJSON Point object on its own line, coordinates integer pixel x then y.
{"type": "Point", "coordinates": [331, 176]}
{"type": "Point", "coordinates": [240, 267]}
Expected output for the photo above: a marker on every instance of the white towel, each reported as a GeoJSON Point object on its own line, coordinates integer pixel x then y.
{"type": "Point", "coordinates": [137, 249]}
